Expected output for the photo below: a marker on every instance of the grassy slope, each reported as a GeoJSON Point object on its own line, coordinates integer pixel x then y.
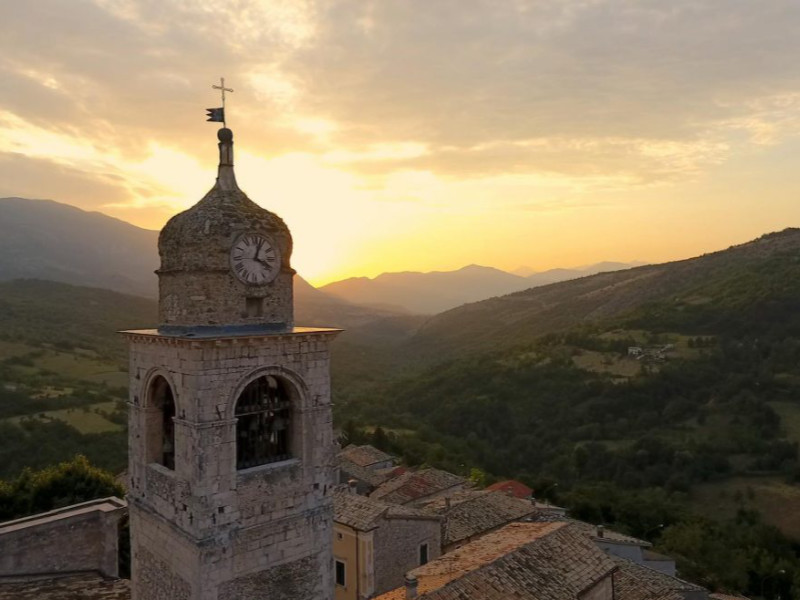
{"type": "Point", "coordinates": [730, 279]}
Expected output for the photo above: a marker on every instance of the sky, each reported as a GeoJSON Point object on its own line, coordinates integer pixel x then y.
{"type": "Point", "coordinates": [421, 135]}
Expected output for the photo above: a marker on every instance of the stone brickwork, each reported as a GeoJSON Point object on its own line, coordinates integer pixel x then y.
{"type": "Point", "coordinates": [397, 543]}
{"type": "Point", "coordinates": [204, 528]}
{"type": "Point", "coordinates": [197, 283]}
{"type": "Point", "coordinates": [205, 523]}
{"type": "Point", "coordinates": [81, 537]}
{"type": "Point", "coordinates": [289, 581]}
{"type": "Point", "coordinates": [155, 579]}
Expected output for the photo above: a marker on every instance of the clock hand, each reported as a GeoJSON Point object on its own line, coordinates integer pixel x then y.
{"type": "Point", "coordinates": [265, 263]}
{"type": "Point", "coordinates": [258, 249]}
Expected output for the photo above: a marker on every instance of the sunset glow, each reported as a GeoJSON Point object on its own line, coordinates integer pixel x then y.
{"type": "Point", "coordinates": [396, 135]}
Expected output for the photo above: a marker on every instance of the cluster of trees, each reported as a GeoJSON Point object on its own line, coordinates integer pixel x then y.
{"type": "Point", "coordinates": [65, 483]}
{"type": "Point", "coordinates": [36, 444]}
{"type": "Point", "coordinates": [627, 454]}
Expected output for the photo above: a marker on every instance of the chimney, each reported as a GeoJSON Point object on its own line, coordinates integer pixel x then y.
{"type": "Point", "coordinates": [601, 531]}
{"type": "Point", "coordinates": [352, 486]}
{"type": "Point", "coordinates": [411, 586]}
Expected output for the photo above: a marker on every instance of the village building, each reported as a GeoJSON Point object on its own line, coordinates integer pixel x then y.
{"type": "Point", "coordinates": [35, 546]}
{"type": "Point", "coordinates": [367, 467]}
{"type": "Point", "coordinates": [368, 457]}
{"type": "Point", "coordinates": [521, 560]}
{"type": "Point", "coordinates": [376, 543]}
{"type": "Point", "coordinates": [414, 487]}
{"type": "Point", "coordinates": [531, 561]}
{"type": "Point", "coordinates": [470, 514]}
{"type": "Point", "coordinates": [512, 487]}
{"type": "Point", "coordinates": [363, 479]}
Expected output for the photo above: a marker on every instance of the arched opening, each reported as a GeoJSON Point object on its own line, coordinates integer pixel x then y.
{"type": "Point", "coordinates": [161, 424]}
{"type": "Point", "coordinates": [263, 422]}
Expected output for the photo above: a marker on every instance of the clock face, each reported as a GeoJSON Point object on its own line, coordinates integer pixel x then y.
{"type": "Point", "coordinates": [254, 259]}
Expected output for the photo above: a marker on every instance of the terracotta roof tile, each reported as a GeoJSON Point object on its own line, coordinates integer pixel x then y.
{"type": "Point", "coordinates": [536, 561]}
{"type": "Point", "coordinates": [637, 582]}
{"type": "Point", "coordinates": [365, 456]}
{"type": "Point", "coordinates": [474, 512]}
{"type": "Point", "coordinates": [353, 471]}
{"type": "Point", "coordinates": [362, 513]}
{"type": "Point", "coordinates": [513, 487]}
{"type": "Point", "coordinates": [80, 586]}
{"type": "Point", "coordinates": [413, 486]}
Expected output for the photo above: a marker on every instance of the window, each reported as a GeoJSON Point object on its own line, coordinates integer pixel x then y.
{"type": "Point", "coordinates": [263, 414]}
{"type": "Point", "coordinates": [254, 307]}
{"type": "Point", "coordinates": [161, 424]}
{"type": "Point", "coordinates": [423, 554]}
{"type": "Point", "coordinates": [340, 574]}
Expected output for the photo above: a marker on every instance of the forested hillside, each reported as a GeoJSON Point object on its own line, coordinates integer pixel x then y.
{"type": "Point", "coordinates": [661, 399]}
{"type": "Point", "coordinates": [700, 285]}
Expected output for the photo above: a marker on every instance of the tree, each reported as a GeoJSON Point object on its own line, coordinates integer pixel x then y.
{"type": "Point", "coordinates": [67, 483]}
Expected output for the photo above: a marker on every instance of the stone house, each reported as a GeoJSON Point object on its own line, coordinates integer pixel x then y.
{"type": "Point", "coordinates": [364, 479]}
{"type": "Point", "coordinates": [415, 487]}
{"type": "Point", "coordinates": [70, 552]}
{"type": "Point", "coordinates": [470, 514]}
{"type": "Point", "coordinates": [368, 457]}
{"type": "Point", "coordinates": [512, 487]}
{"type": "Point", "coordinates": [625, 546]}
{"type": "Point", "coordinates": [530, 561]}
{"type": "Point", "coordinates": [375, 544]}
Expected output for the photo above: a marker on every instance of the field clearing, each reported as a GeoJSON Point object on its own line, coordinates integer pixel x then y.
{"type": "Point", "coordinates": [777, 501]}
{"type": "Point", "coordinates": [83, 418]}
{"type": "Point", "coordinates": [789, 412]}
{"type": "Point", "coordinates": [75, 365]}
{"type": "Point", "coordinates": [9, 349]}
{"type": "Point", "coordinates": [607, 362]}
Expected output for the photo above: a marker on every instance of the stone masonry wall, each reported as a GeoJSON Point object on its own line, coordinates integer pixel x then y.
{"type": "Point", "coordinates": [82, 537]}
{"type": "Point", "coordinates": [397, 543]}
{"type": "Point", "coordinates": [243, 524]}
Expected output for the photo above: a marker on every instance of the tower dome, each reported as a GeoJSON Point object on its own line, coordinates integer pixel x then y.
{"type": "Point", "coordinates": [225, 263]}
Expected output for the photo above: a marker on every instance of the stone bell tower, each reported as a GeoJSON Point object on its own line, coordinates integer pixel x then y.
{"type": "Point", "coordinates": [231, 451]}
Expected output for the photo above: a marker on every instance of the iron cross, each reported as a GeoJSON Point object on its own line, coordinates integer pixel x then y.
{"type": "Point", "coordinates": [221, 87]}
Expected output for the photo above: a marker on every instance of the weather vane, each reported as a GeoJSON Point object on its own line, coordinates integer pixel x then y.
{"type": "Point", "coordinates": [218, 114]}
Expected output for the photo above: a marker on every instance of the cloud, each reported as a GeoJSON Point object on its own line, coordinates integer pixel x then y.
{"type": "Point", "coordinates": [623, 91]}
{"type": "Point", "coordinates": [513, 76]}
{"type": "Point", "coordinates": [24, 176]}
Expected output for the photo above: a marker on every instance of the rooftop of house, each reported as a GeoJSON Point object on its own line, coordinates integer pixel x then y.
{"type": "Point", "coordinates": [598, 533]}
{"type": "Point", "coordinates": [365, 456]}
{"type": "Point", "coordinates": [371, 477]}
{"type": "Point", "coordinates": [86, 586]}
{"type": "Point", "coordinates": [362, 513]}
{"type": "Point", "coordinates": [413, 486]}
{"type": "Point", "coordinates": [637, 582]}
{"type": "Point", "coordinates": [474, 512]}
{"type": "Point", "coordinates": [512, 487]}
{"type": "Point", "coordinates": [526, 561]}
{"type": "Point", "coordinates": [109, 504]}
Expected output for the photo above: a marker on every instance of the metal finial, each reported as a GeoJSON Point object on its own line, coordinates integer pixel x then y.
{"type": "Point", "coordinates": [221, 87]}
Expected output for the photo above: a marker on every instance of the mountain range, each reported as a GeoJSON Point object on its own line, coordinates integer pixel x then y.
{"type": "Point", "coordinates": [46, 240]}
{"type": "Point", "coordinates": [43, 239]}
{"type": "Point", "coordinates": [437, 291]}
{"type": "Point", "coordinates": [709, 282]}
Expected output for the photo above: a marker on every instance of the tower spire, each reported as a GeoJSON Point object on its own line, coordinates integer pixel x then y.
{"type": "Point", "coordinates": [226, 178]}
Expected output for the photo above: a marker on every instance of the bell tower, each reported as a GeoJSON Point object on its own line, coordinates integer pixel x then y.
{"type": "Point", "coordinates": [231, 450]}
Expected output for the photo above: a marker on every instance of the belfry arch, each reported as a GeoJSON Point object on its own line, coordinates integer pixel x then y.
{"type": "Point", "coordinates": [160, 422]}
{"type": "Point", "coordinates": [265, 421]}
